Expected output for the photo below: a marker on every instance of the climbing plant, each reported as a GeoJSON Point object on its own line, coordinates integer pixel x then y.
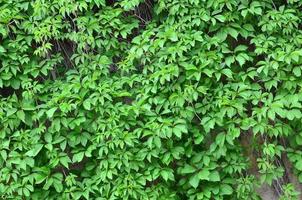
{"type": "Point", "coordinates": [150, 99]}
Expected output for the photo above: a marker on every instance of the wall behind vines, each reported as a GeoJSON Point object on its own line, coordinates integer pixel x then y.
{"type": "Point", "coordinates": [150, 99]}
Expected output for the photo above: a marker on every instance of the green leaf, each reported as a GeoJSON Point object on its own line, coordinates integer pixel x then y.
{"type": "Point", "coordinates": [188, 169]}
{"type": "Point", "coordinates": [240, 48]}
{"type": "Point", "coordinates": [229, 60]}
{"type": "Point", "coordinates": [271, 114]}
{"type": "Point", "coordinates": [48, 183]}
{"type": "Point", "coordinates": [172, 35]}
{"type": "Point", "coordinates": [58, 186]}
{"type": "Point", "coordinates": [194, 181]}
{"type": "Point", "coordinates": [228, 73]}
{"type": "Point", "coordinates": [64, 161]}
{"type": "Point", "coordinates": [214, 176]}
{"type": "Point", "coordinates": [248, 27]}
{"type": "Point", "coordinates": [40, 178]}
{"type": "Point", "coordinates": [220, 139]}
{"type": "Point", "coordinates": [226, 189]}
{"type": "Point", "coordinates": [166, 174]}
{"type": "Point", "coordinates": [241, 60]}
{"type": "Point", "coordinates": [26, 192]}
{"type": "Point", "coordinates": [21, 115]}
{"type": "Point", "coordinates": [50, 112]}
{"type": "Point", "coordinates": [221, 18]}
{"type": "Point", "coordinates": [297, 71]}
{"type": "Point", "coordinates": [299, 139]}
{"type": "Point", "coordinates": [78, 157]}
{"type": "Point", "coordinates": [157, 142]}
{"type": "Point", "coordinates": [3, 154]}
{"type": "Point", "coordinates": [300, 177]}
{"type": "Point", "coordinates": [294, 113]}
{"type": "Point", "coordinates": [298, 165]}
{"type": "Point", "coordinates": [204, 174]}
{"type": "Point", "coordinates": [48, 137]}
{"type": "Point", "coordinates": [11, 111]}
{"type": "Point", "coordinates": [179, 129]}
{"type": "Point", "coordinates": [233, 32]}
{"type": "Point", "coordinates": [206, 160]}
{"type": "Point", "coordinates": [35, 150]}
{"type": "Point", "coordinates": [2, 50]}
{"type": "Point", "coordinates": [87, 104]}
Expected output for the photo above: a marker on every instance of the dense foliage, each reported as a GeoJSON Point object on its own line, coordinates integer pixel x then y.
{"type": "Point", "coordinates": [143, 99]}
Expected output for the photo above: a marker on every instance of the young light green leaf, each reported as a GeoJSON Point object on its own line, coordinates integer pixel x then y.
{"type": "Point", "coordinates": [87, 104]}
{"type": "Point", "coordinates": [35, 150]}
{"type": "Point", "coordinates": [188, 169]}
{"type": "Point", "coordinates": [226, 189]}
{"type": "Point", "coordinates": [204, 174]}
{"type": "Point", "coordinates": [50, 112]}
{"type": "Point", "coordinates": [214, 176]}
{"type": "Point", "coordinates": [194, 181]}
{"type": "Point", "coordinates": [21, 115]}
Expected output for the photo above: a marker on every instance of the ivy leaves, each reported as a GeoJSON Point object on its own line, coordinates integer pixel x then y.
{"type": "Point", "coordinates": [148, 99]}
